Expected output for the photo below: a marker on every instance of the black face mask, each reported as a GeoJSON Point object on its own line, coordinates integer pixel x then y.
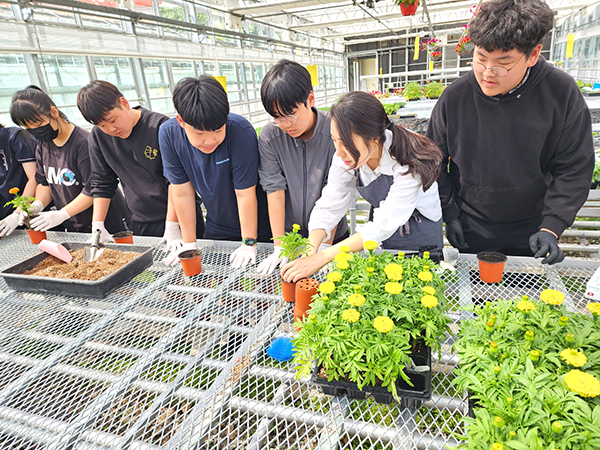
{"type": "Point", "coordinates": [44, 134]}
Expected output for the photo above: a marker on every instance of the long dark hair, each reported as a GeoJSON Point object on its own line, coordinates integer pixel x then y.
{"type": "Point", "coordinates": [360, 114]}
{"type": "Point", "coordinates": [31, 105]}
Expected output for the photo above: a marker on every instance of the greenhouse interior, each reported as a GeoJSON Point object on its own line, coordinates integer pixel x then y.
{"type": "Point", "coordinates": [261, 225]}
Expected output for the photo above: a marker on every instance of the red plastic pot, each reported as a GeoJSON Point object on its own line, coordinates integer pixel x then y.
{"type": "Point", "coordinates": [191, 261]}
{"type": "Point", "coordinates": [123, 237]}
{"type": "Point", "coordinates": [408, 9]}
{"type": "Point", "coordinates": [491, 266]}
{"type": "Point", "coordinates": [305, 290]}
{"type": "Point", "coordinates": [289, 291]}
{"type": "Point", "coordinates": [36, 236]}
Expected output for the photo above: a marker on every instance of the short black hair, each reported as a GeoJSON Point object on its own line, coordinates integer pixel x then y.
{"type": "Point", "coordinates": [201, 102]}
{"type": "Point", "coordinates": [96, 99]}
{"type": "Point", "coordinates": [31, 105]}
{"type": "Point", "coordinates": [286, 85]}
{"type": "Point", "coordinates": [507, 24]}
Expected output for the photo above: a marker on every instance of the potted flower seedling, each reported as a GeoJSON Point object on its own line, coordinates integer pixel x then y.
{"type": "Point", "coordinates": [436, 55]}
{"type": "Point", "coordinates": [532, 371]}
{"type": "Point", "coordinates": [433, 90]}
{"type": "Point", "coordinates": [372, 326]}
{"type": "Point", "coordinates": [293, 246]}
{"type": "Point", "coordinates": [24, 205]}
{"type": "Point", "coordinates": [407, 7]}
{"type": "Point", "coordinates": [412, 91]}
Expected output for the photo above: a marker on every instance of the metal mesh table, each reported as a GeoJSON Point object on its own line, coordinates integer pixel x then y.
{"type": "Point", "coordinates": [175, 363]}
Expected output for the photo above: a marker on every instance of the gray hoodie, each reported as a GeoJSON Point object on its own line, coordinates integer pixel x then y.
{"type": "Point", "coordinates": [298, 167]}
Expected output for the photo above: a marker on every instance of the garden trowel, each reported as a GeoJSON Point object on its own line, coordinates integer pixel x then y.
{"type": "Point", "coordinates": [92, 252]}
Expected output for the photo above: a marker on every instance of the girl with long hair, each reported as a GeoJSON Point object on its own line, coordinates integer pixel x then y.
{"type": "Point", "coordinates": [393, 169]}
{"type": "Point", "coordinates": [62, 166]}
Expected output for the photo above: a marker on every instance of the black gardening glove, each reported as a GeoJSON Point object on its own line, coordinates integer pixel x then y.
{"type": "Point", "coordinates": [545, 244]}
{"type": "Point", "coordinates": [456, 235]}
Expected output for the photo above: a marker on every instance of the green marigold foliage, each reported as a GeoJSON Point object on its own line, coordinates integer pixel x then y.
{"type": "Point", "coordinates": [370, 342]}
{"type": "Point", "coordinates": [541, 378]}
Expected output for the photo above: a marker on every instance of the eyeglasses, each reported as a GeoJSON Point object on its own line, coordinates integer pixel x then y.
{"type": "Point", "coordinates": [285, 120]}
{"type": "Point", "coordinates": [499, 71]}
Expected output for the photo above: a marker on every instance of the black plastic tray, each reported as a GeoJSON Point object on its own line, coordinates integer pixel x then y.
{"type": "Point", "coordinates": [421, 389]}
{"type": "Point", "coordinates": [80, 288]}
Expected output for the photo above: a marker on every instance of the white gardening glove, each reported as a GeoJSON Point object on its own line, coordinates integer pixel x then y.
{"type": "Point", "coordinates": [9, 223]}
{"type": "Point", "coordinates": [36, 207]}
{"type": "Point", "coordinates": [270, 263]}
{"type": "Point", "coordinates": [104, 235]}
{"type": "Point", "coordinates": [49, 219]}
{"type": "Point", "coordinates": [243, 255]}
{"type": "Point", "coordinates": [172, 260]}
{"type": "Point", "coordinates": [172, 237]}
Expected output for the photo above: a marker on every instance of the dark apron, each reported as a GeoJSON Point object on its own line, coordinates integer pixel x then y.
{"type": "Point", "coordinates": [418, 231]}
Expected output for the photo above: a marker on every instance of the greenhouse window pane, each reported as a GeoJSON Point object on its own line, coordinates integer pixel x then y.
{"type": "Point", "coordinates": [182, 69]}
{"type": "Point", "coordinates": [155, 71]}
{"type": "Point", "coordinates": [13, 76]}
{"type": "Point", "coordinates": [118, 72]}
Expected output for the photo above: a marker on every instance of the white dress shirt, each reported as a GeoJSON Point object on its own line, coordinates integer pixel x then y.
{"type": "Point", "coordinates": [405, 195]}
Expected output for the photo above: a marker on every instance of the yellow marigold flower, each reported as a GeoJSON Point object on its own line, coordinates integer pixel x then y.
{"type": "Point", "coordinates": [13, 190]}
{"type": "Point", "coordinates": [334, 276]}
{"type": "Point", "coordinates": [342, 265]}
{"type": "Point", "coordinates": [370, 270]}
{"type": "Point", "coordinates": [429, 301]}
{"type": "Point", "coordinates": [383, 324]}
{"type": "Point", "coordinates": [393, 271]}
{"type": "Point", "coordinates": [295, 228]}
{"type": "Point", "coordinates": [552, 297]}
{"type": "Point", "coordinates": [582, 383]}
{"type": "Point", "coordinates": [525, 306]}
{"type": "Point", "coordinates": [370, 245]}
{"type": "Point", "coordinates": [425, 276]}
{"type": "Point", "coordinates": [342, 257]}
{"type": "Point", "coordinates": [594, 308]}
{"type": "Point", "coordinates": [573, 357]}
{"type": "Point", "coordinates": [356, 299]}
{"type": "Point", "coordinates": [351, 315]}
{"type": "Point", "coordinates": [345, 249]}
{"type": "Point", "coordinates": [327, 287]}
{"type": "Point", "coordinates": [428, 290]}
{"type": "Point", "coordinates": [357, 288]}
{"type": "Point", "coordinates": [497, 446]}
{"type": "Point", "coordinates": [393, 287]}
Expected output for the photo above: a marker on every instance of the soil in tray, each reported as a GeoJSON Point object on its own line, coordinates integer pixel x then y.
{"type": "Point", "coordinates": [107, 263]}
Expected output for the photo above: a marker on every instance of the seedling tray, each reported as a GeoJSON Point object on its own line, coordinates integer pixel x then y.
{"type": "Point", "coordinates": [15, 278]}
{"type": "Point", "coordinates": [421, 389]}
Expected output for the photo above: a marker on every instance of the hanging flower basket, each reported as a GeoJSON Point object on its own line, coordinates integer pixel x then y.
{"type": "Point", "coordinates": [408, 9]}
{"type": "Point", "coordinates": [436, 56]}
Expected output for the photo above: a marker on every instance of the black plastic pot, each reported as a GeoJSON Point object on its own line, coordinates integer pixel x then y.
{"type": "Point", "coordinates": [421, 389]}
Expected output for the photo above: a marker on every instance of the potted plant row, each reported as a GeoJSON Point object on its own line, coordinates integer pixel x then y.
{"type": "Point", "coordinates": [372, 326]}
{"type": "Point", "coordinates": [532, 369]}
{"type": "Point", "coordinates": [24, 204]}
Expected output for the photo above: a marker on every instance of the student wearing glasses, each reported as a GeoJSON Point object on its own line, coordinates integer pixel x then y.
{"type": "Point", "coordinates": [516, 137]}
{"type": "Point", "coordinates": [296, 151]}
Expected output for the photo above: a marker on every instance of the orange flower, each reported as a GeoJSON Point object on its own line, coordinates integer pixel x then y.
{"type": "Point", "coordinates": [13, 190]}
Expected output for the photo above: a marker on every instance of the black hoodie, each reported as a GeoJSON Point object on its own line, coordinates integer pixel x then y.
{"type": "Point", "coordinates": [517, 156]}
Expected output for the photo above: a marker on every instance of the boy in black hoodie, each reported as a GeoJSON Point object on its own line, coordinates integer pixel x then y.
{"type": "Point", "coordinates": [516, 135]}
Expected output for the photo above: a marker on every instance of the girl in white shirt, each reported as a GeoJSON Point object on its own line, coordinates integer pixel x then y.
{"type": "Point", "coordinates": [392, 168]}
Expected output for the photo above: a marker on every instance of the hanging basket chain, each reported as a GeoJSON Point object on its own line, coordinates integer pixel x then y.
{"type": "Point", "coordinates": [40, 53]}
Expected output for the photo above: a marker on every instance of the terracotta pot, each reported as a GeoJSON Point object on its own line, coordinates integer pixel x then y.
{"type": "Point", "coordinates": [491, 266]}
{"type": "Point", "coordinates": [36, 236]}
{"type": "Point", "coordinates": [123, 237]}
{"type": "Point", "coordinates": [289, 291]}
{"type": "Point", "coordinates": [408, 10]}
{"type": "Point", "coordinates": [305, 289]}
{"type": "Point", "coordinates": [191, 261]}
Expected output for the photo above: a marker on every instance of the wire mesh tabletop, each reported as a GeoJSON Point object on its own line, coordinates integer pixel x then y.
{"type": "Point", "coordinates": [171, 362]}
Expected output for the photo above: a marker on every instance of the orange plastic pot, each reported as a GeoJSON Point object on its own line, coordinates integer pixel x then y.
{"type": "Point", "coordinates": [408, 9]}
{"type": "Point", "coordinates": [123, 237]}
{"type": "Point", "coordinates": [491, 266]}
{"type": "Point", "coordinates": [305, 290]}
{"type": "Point", "coordinates": [191, 261]}
{"type": "Point", "coordinates": [36, 236]}
{"type": "Point", "coordinates": [289, 291]}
